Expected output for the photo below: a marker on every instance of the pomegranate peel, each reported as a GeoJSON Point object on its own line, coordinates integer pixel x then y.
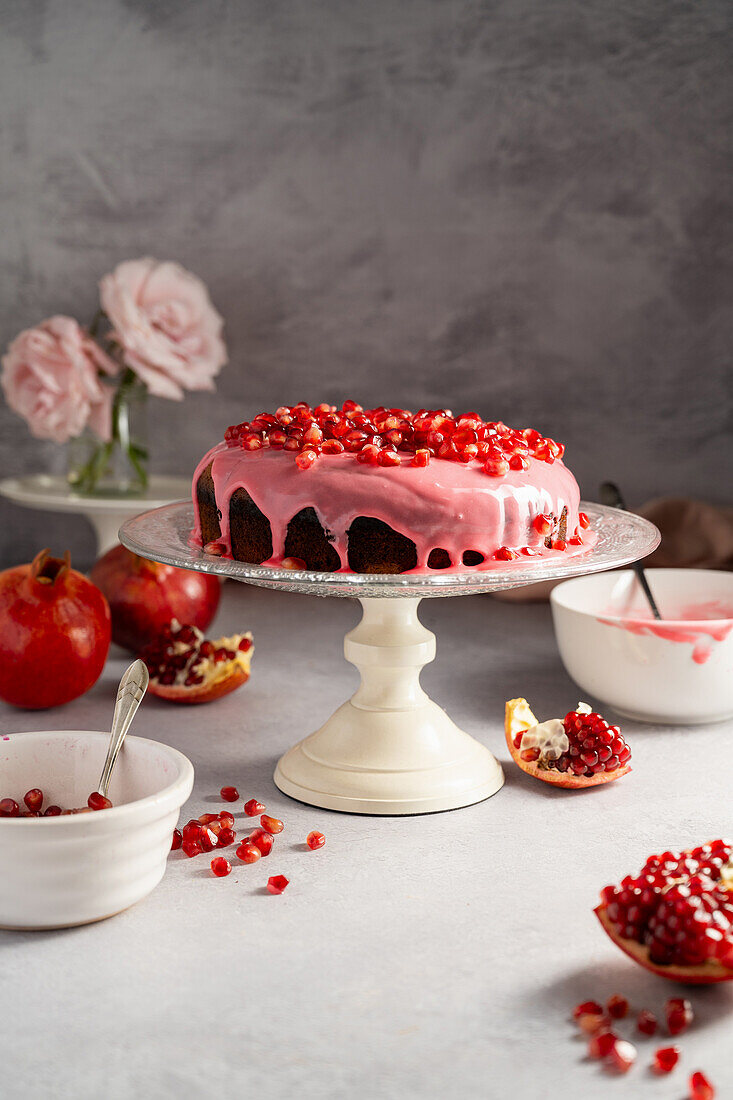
{"type": "Point", "coordinates": [185, 667]}
{"type": "Point", "coordinates": [676, 917]}
{"type": "Point", "coordinates": [569, 752]}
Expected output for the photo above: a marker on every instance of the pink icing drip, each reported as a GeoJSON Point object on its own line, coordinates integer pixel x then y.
{"type": "Point", "coordinates": [447, 504]}
{"type": "Point", "coordinates": [691, 626]}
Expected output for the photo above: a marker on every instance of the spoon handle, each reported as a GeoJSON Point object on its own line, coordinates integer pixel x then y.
{"type": "Point", "coordinates": [611, 495]}
{"type": "Point", "coordinates": [133, 686]}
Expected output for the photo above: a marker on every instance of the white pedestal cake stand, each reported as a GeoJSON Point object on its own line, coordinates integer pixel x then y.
{"type": "Point", "coordinates": [390, 749]}
{"type": "Point", "coordinates": [51, 493]}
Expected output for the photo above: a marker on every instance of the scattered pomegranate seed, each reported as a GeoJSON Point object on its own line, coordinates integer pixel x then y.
{"type": "Point", "coordinates": [97, 801]}
{"type": "Point", "coordinates": [315, 840]}
{"type": "Point", "coordinates": [52, 811]}
{"type": "Point", "coordinates": [226, 819]}
{"type": "Point", "coordinates": [221, 867]}
{"type": "Point", "coordinates": [9, 807]}
{"type": "Point", "coordinates": [271, 824]}
{"type": "Point", "coordinates": [208, 839]}
{"type": "Point", "coordinates": [646, 1022]}
{"type": "Point", "coordinates": [253, 808]}
{"type": "Point", "coordinates": [229, 794]}
{"type": "Point", "coordinates": [665, 1059]}
{"type": "Point", "coordinates": [177, 840]}
{"type": "Point", "coordinates": [622, 1055]}
{"type": "Point", "coordinates": [206, 819]}
{"type": "Point", "coordinates": [225, 838]}
{"type": "Point", "coordinates": [191, 830]}
{"type": "Point", "coordinates": [276, 884]}
{"type": "Point", "coordinates": [617, 1006]}
{"type": "Point", "coordinates": [33, 799]}
{"type": "Point", "coordinates": [601, 1044]}
{"type": "Point", "coordinates": [587, 1008]}
{"type": "Point", "coordinates": [262, 840]}
{"type": "Point", "coordinates": [248, 853]}
{"type": "Point", "coordinates": [583, 520]}
{"type": "Point", "coordinates": [191, 848]}
{"type": "Point", "coordinates": [679, 1015]}
{"type": "Point", "coordinates": [591, 1023]}
{"type": "Point", "coordinates": [700, 1087]}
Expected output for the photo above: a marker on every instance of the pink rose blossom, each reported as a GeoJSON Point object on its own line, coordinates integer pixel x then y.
{"type": "Point", "coordinates": [50, 377]}
{"type": "Point", "coordinates": [163, 319]}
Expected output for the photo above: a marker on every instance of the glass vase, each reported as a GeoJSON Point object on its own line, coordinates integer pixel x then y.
{"type": "Point", "coordinates": [117, 467]}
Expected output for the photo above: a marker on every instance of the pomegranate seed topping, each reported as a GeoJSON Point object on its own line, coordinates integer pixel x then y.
{"type": "Point", "coordinates": [305, 459]}
{"type": "Point", "coordinates": [700, 1087]}
{"type": "Point", "coordinates": [276, 884]}
{"type": "Point", "coordinates": [542, 524]}
{"type": "Point", "coordinates": [389, 458]}
{"type": "Point", "coordinates": [225, 838]}
{"type": "Point", "coordinates": [271, 824]}
{"type": "Point", "coordinates": [315, 840]}
{"type": "Point", "coordinates": [647, 1022]}
{"type": "Point", "coordinates": [505, 554]}
{"type": "Point", "coordinates": [229, 794]}
{"type": "Point", "coordinates": [97, 801]}
{"type": "Point", "coordinates": [617, 1006]}
{"type": "Point", "coordinates": [248, 853]}
{"type": "Point", "coordinates": [262, 840]}
{"type": "Point", "coordinates": [583, 520]}
{"type": "Point", "coordinates": [587, 1008]}
{"type": "Point", "coordinates": [52, 811]}
{"type": "Point", "coordinates": [33, 799]}
{"type": "Point", "coordinates": [253, 808]}
{"type": "Point", "coordinates": [622, 1055]}
{"type": "Point", "coordinates": [559, 544]}
{"type": "Point", "coordinates": [191, 848]}
{"type": "Point", "coordinates": [292, 563]}
{"type": "Point", "coordinates": [665, 1059]}
{"type": "Point", "coordinates": [518, 462]}
{"type": "Point", "coordinates": [679, 1015]}
{"type": "Point", "coordinates": [177, 840]}
{"type": "Point", "coordinates": [496, 466]}
{"type": "Point", "coordinates": [9, 807]}
{"type": "Point", "coordinates": [221, 867]}
{"type": "Point", "coordinates": [601, 1044]}
{"type": "Point", "coordinates": [421, 457]}
{"type": "Point", "coordinates": [216, 549]}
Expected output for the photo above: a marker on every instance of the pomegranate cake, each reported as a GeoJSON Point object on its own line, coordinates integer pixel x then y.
{"type": "Point", "coordinates": [385, 491]}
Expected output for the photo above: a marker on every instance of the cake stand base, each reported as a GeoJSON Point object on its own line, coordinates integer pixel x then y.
{"type": "Point", "coordinates": [390, 749]}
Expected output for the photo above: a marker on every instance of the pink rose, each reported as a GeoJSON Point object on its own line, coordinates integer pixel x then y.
{"type": "Point", "coordinates": [163, 320]}
{"type": "Point", "coordinates": [50, 377]}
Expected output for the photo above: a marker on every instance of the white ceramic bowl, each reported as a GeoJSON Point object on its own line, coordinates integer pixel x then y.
{"type": "Point", "coordinates": [679, 672]}
{"type": "Point", "coordinates": [61, 871]}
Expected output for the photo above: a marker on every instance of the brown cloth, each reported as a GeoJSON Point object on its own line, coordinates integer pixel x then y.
{"type": "Point", "coordinates": [695, 535]}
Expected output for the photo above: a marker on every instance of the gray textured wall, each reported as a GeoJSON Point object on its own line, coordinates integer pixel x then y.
{"type": "Point", "coordinates": [519, 206]}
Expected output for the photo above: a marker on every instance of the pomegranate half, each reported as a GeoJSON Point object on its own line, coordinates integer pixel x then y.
{"type": "Point", "coordinates": [186, 667]}
{"type": "Point", "coordinates": [54, 633]}
{"type": "Point", "coordinates": [144, 596]}
{"type": "Point", "coordinates": [675, 917]}
{"type": "Point", "coordinates": [580, 750]}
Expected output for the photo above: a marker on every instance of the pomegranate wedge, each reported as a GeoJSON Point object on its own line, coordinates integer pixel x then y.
{"type": "Point", "coordinates": [579, 750]}
{"type": "Point", "coordinates": [675, 917]}
{"type": "Point", "coordinates": [185, 667]}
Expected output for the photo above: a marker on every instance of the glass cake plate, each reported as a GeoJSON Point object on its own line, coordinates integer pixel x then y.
{"type": "Point", "coordinates": [390, 749]}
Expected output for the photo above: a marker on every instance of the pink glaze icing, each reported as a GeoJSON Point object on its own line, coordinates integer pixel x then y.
{"type": "Point", "coordinates": [698, 625]}
{"type": "Point", "coordinates": [446, 504]}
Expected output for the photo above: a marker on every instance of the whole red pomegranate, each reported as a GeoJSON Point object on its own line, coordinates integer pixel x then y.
{"type": "Point", "coordinates": [54, 633]}
{"type": "Point", "coordinates": [145, 596]}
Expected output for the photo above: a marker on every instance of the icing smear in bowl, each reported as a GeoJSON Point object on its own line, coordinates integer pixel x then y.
{"type": "Point", "coordinates": [678, 670]}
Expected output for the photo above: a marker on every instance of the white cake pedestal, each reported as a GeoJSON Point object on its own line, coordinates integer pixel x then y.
{"type": "Point", "coordinates": [390, 749]}
{"type": "Point", "coordinates": [48, 493]}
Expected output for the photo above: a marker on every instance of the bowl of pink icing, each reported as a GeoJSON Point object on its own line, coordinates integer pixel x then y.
{"type": "Point", "coordinates": [677, 671]}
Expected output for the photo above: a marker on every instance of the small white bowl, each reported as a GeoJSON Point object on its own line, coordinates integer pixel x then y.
{"type": "Point", "coordinates": [62, 871]}
{"type": "Point", "coordinates": [679, 671]}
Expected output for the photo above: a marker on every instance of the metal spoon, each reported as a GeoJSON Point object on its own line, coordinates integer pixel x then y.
{"type": "Point", "coordinates": [133, 686]}
{"type": "Point", "coordinates": [611, 495]}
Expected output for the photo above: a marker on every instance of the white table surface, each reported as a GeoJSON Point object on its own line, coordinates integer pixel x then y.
{"type": "Point", "coordinates": [421, 957]}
